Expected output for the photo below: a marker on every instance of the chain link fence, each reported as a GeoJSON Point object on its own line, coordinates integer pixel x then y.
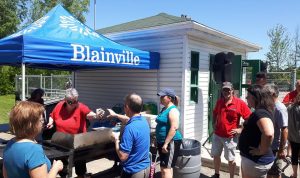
{"type": "Point", "coordinates": [283, 80]}
{"type": "Point", "coordinates": [53, 85]}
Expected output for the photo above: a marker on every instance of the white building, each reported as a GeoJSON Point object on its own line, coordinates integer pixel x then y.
{"type": "Point", "coordinates": [175, 38]}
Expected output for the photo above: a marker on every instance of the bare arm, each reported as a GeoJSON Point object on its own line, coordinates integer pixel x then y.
{"type": "Point", "coordinates": [50, 123]}
{"type": "Point", "coordinates": [283, 141]}
{"type": "Point", "coordinates": [91, 115]}
{"type": "Point", "coordinates": [174, 123]}
{"type": "Point", "coordinates": [41, 171]}
{"type": "Point", "coordinates": [123, 118]}
{"type": "Point", "coordinates": [4, 171]}
{"type": "Point", "coordinates": [267, 129]}
{"type": "Point", "coordinates": [123, 156]}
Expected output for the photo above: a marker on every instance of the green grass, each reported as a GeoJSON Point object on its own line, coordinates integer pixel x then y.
{"type": "Point", "coordinates": [6, 103]}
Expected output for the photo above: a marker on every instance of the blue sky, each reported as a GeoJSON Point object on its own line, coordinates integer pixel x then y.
{"type": "Point", "coordinates": [246, 19]}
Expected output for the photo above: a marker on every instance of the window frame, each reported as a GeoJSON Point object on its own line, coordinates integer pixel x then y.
{"type": "Point", "coordinates": [194, 80]}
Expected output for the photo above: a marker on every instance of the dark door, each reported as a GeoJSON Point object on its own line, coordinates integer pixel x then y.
{"type": "Point", "coordinates": [213, 93]}
{"type": "Point", "coordinates": [235, 74]}
{"type": "Point", "coordinates": [250, 68]}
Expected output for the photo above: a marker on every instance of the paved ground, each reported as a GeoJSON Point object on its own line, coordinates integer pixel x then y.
{"type": "Point", "coordinates": [102, 168]}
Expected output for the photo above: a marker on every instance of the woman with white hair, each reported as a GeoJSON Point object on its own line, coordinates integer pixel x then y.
{"type": "Point", "coordinates": [70, 116]}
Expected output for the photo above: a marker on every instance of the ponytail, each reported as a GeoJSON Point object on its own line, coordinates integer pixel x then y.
{"type": "Point", "coordinates": [175, 100]}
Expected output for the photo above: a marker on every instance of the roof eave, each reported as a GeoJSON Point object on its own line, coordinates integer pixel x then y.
{"type": "Point", "coordinates": [174, 26]}
{"type": "Point", "coordinates": [190, 28]}
{"type": "Point", "coordinates": [251, 47]}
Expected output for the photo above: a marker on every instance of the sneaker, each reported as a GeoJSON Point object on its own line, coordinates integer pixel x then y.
{"type": "Point", "coordinates": [216, 176]}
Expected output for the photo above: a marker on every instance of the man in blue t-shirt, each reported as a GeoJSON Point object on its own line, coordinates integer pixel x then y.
{"type": "Point", "coordinates": [134, 146]}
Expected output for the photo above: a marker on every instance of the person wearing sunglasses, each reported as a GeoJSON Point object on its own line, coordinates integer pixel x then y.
{"type": "Point", "coordinates": [226, 122]}
{"type": "Point", "coordinates": [70, 116]}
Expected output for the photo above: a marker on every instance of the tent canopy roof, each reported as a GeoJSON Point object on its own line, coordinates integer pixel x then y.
{"type": "Point", "coordinates": [60, 41]}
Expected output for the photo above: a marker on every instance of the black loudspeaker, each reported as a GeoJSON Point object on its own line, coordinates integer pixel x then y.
{"type": "Point", "coordinates": [227, 76]}
{"type": "Point", "coordinates": [222, 67]}
{"type": "Point", "coordinates": [218, 67]}
{"type": "Point", "coordinates": [263, 66]}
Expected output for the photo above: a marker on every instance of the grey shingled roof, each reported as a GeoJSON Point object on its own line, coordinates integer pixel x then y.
{"type": "Point", "coordinates": [157, 20]}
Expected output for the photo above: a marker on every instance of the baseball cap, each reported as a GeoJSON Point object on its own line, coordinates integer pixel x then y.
{"type": "Point", "coordinates": [227, 85]}
{"type": "Point", "coordinates": [167, 92]}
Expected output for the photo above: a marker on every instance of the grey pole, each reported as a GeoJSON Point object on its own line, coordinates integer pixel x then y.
{"type": "Point", "coordinates": [94, 14]}
{"type": "Point", "coordinates": [23, 82]}
{"type": "Point", "coordinates": [294, 78]}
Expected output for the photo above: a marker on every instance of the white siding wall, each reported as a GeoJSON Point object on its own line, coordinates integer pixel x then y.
{"type": "Point", "coordinates": [196, 115]}
{"type": "Point", "coordinates": [104, 88]}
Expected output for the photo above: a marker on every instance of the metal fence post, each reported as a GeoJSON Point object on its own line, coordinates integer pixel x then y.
{"type": "Point", "coordinates": [51, 83]}
{"type": "Point", "coordinates": [294, 76]}
{"type": "Point", "coordinates": [41, 80]}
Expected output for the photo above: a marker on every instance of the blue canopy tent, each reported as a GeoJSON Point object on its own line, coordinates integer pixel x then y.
{"type": "Point", "coordinates": [60, 41]}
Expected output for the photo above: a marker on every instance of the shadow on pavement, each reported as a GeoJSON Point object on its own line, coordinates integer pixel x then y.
{"type": "Point", "coordinates": [204, 176]}
{"type": "Point", "coordinates": [115, 173]}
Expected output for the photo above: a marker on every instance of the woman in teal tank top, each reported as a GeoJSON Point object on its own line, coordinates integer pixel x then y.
{"type": "Point", "coordinates": [168, 137]}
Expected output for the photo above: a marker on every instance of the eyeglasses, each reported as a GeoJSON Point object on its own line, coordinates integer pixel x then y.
{"type": "Point", "coordinates": [70, 102]}
{"type": "Point", "coordinates": [226, 89]}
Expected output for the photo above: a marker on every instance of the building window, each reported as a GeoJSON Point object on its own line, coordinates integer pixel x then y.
{"type": "Point", "coordinates": [194, 76]}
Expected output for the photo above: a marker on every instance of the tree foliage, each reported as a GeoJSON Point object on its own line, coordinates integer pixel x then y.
{"type": "Point", "coordinates": [41, 7]}
{"type": "Point", "coordinates": [295, 54]}
{"type": "Point", "coordinates": [12, 13]}
{"type": "Point", "coordinates": [278, 58]}
{"type": "Point", "coordinates": [7, 77]}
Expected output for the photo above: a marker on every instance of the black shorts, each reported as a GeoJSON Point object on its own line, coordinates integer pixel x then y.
{"type": "Point", "coordinates": [168, 160]}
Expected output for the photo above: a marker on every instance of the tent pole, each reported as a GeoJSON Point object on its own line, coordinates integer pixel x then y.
{"type": "Point", "coordinates": [94, 14]}
{"type": "Point", "coordinates": [23, 82]}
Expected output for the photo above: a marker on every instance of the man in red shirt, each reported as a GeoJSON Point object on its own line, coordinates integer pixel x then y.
{"type": "Point", "coordinates": [226, 114]}
{"type": "Point", "coordinates": [289, 98]}
{"type": "Point", "coordinates": [70, 117]}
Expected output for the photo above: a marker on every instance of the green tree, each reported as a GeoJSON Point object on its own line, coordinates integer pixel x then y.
{"type": "Point", "coordinates": [7, 78]}
{"type": "Point", "coordinates": [40, 7]}
{"type": "Point", "coordinates": [295, 54]}
{"type": "Point", "coordinates": [12, 13]}
{"type": "Point", "coordinates": [278, 58]}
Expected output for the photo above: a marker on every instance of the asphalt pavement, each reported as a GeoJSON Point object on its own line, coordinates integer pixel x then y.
{"type": "Point", "coordinates": [103, 168]}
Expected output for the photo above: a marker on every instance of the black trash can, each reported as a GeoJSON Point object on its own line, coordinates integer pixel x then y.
{"type": "Point", "coordinates": [188, 164]}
